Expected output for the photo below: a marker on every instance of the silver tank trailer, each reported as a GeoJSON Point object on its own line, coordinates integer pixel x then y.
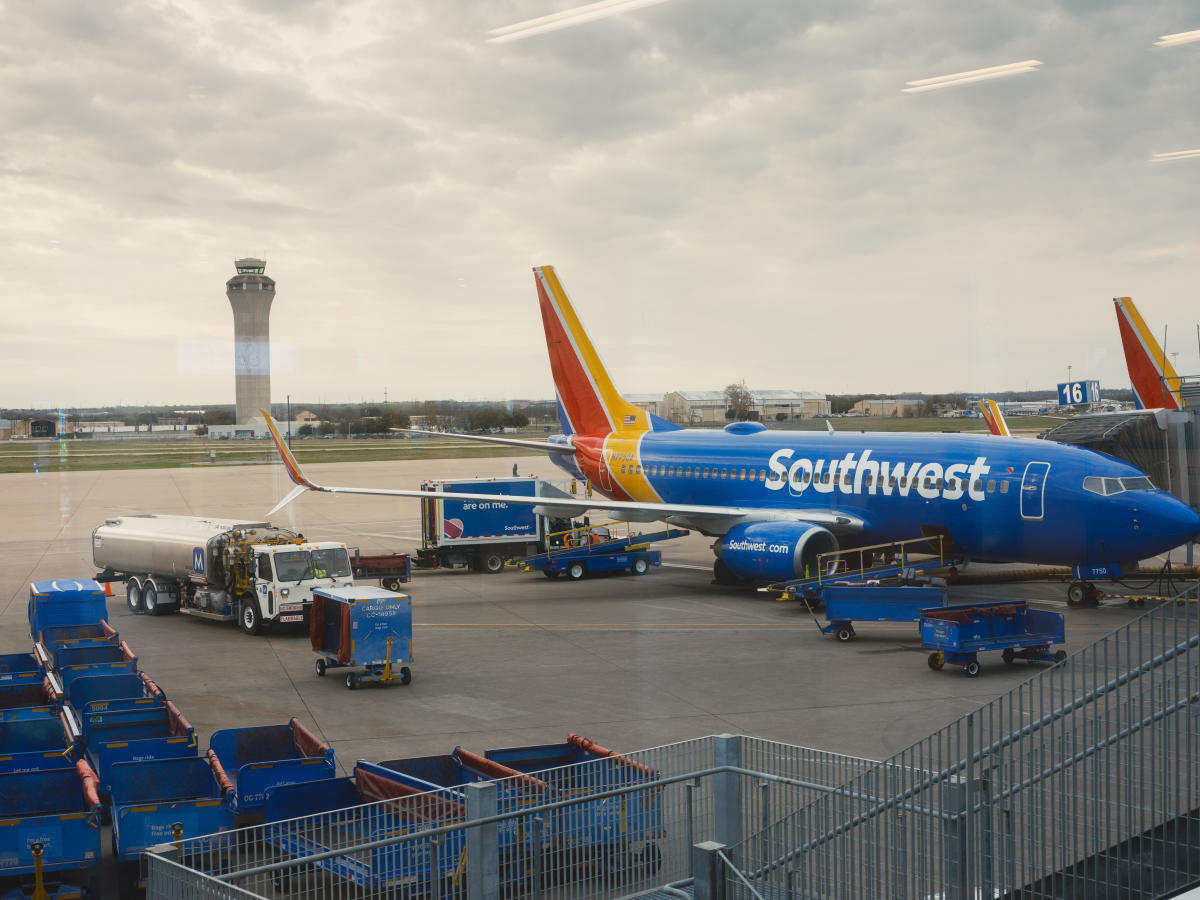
{"type": "Point", "coordinates": [167, 545]}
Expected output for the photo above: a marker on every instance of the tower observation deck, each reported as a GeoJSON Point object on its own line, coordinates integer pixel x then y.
{"type": "Point", "coordinates": [250, 293]}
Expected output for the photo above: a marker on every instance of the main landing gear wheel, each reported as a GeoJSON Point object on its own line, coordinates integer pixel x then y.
{"type": "Point", "coordinates": [352, 681]}
{"type": "Point", "coordinates": [937, 659]}
{"type": "Point", "coordinates": [249, 618]}
{"type": "Point", "coordinates": [640, 566]}
{"type": "Point", "coordinates": [133, 595]}
{"type": "Point", "coordinates": [320, 667]}
{"type": "Point", "coordinates": [971, 669]}
{"type": "Point", "coordinates": [405, 674]}
{"type": "Point", "coordinates": [576, 571]}
{"type": "Point", "coordinates": [845, 633]}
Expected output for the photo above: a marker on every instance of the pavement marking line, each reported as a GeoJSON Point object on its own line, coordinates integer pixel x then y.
{"type": "Point", "coordinates": [614, 624]}
{"type": "Point", "coordinates": [403, 537]}
{"type": "Point", "coordinates": [668, 565]}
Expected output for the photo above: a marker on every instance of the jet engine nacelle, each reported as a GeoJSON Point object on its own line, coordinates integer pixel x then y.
{"type": "Point", "coordinates": [775, 551]}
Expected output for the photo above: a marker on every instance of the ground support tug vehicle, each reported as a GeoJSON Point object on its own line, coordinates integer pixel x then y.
{"type": "Point", "coordinates": [217, 569]}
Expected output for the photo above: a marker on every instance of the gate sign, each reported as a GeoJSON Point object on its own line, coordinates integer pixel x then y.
{"type": "Point", "coordinates": [198, 560]}
{"type": "Point", "coordinates": [1074, 393]}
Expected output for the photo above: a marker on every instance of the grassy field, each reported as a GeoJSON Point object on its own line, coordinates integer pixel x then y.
{"type": "Point", "coordinates": [70, 455]}
{"type": "Point", "coordinates": [74, 456]}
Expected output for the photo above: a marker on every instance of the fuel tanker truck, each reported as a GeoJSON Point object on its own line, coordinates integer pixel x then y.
{"type": "Point", "coordinates": [217, 569]}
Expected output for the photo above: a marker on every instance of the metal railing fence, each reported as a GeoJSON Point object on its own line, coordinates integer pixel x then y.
{"type": "Point", "coordinates": [603, 828]}
{"type": "Point", "coordinates": [1080, 779]}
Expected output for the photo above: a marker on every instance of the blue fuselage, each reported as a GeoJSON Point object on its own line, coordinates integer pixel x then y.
{"type": "Point", "coordinates": [998, 499]}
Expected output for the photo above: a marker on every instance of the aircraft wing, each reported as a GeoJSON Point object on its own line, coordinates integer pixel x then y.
{"type": "Point", "coordinates": [541, 446]}
{"type": "Point", "coordinates": [715, 514]}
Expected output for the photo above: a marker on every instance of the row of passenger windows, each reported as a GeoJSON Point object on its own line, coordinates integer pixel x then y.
{"type": "Point", "coordinates": [802, 478]}
{"type": "Point", "coordinates": [1109, 486]}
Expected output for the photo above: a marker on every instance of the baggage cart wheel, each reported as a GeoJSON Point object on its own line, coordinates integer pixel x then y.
{"type": "Point", "coordinates": [576, 571]}
{"type": "Point", "coordinates": [320, 667]}
{"type": "Point", "coordinates": [1008, 655]}
{"type": "Point", "coordinates": [133, 595]}
{"type": "Point", "coordinates": [845, 633]}
{"type": "Point", "coordinates": [405, 674]}
{"type": "Point", "coordinates": [248, 616]}
{"type": "Point", "coordinates": [971, 669]}
{"type": "Point", "coordinates": [650, 859]}
{"type": "Point", "coordinates": [937, 659]}
{"type": "Point", "coordinates": [549, 574]}
{"type": "Point", "coordinates": [352, 681]}
{"type": "Point", "coordinates": [390, 584]}
{"type": "Point", "coordinates": [641, 566]}
{"type": "Point", "coordinates": [1060, 656]}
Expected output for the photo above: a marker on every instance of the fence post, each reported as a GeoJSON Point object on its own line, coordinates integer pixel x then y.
{"type": "Point", "coordinates": [708, 870]}
{"type": "Point", "coordinates": [954, 837]}
{"type": "Point", "coordinates": [727, 790]}
{"type": "Point", "coordinates": [483, 852]}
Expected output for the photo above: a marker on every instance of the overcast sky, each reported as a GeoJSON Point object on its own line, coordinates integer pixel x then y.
{"type": "Point", "coordinates": [729, 189]}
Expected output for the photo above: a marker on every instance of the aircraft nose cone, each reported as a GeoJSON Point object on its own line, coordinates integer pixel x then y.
{"type": "Point", "coordinates": [1178, 521]}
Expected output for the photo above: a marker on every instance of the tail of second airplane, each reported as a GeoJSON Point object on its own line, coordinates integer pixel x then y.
{"type": "Point", "coordinates": [1154, 380]}
{"type": "Point", "coordinates": [588, 403]}
{"type": "Point", "coordinates": [994, 417]}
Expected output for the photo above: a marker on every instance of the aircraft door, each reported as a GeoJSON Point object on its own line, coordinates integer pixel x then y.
{"type": "Point", "coordinates": [1033, 489]}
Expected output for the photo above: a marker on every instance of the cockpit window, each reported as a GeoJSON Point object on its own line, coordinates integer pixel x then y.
{"type": "Point", "coordinates": [1140, 483]}
{"type": "Point", "coordinates": [1109, 486]}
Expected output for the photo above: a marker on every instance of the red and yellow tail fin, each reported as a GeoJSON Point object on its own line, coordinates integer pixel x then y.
{"type": "Point", "coordinates": [994, 418]}
{"type": "Point", "coordinates": [1154, 380]}
{"type": "Point", "coordinates": [588, 401]}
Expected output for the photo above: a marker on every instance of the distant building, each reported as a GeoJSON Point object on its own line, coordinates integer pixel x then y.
{"type": "Point", "coordinates": [896, 408]}
{"type": "Point", "coordinates": [651, 403]}
{"type": "Point", "coordinates": [306, 417]}
{"type": "Point", "coordinates": [699, 407]}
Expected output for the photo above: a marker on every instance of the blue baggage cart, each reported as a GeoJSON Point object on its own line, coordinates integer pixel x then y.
{"type": "Point", "coordinates": [24, 700]}
{"type": "Point", "coordinates": [16, 668]}
{"type": "Point", "coordinates": [54, 636]}
{"type": "Point", "coordinates": [42, 742]}
{"type": "Point", "coordinates": [365, 627]}
{"type": "Point", "coordinates": [256, 759]}
{"type": "Point", "coordinates": [93, 693]}
{"type": "Point", "coordinates": [58, 810]}
{"type": "Point", "coordinates": [150, 733]}
{"type": "Point", "coordinates": [356, 815]}
{"type": "Point", "coordinates": [613, 834]}
{"type": "Point", "coordinates": [846, 604]}
{"type": "Point", "coordinates": [81, 662]}
{"type": "Point", "coordinates": [65, 601]}
{"type": "Point", "coordinates": [150, 798]}
{"type": "Point", "coordinates": [957, 634]}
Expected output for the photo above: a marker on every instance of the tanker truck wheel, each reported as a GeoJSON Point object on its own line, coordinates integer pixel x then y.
{"type": "Point", "coordinates": [249, 618]}
{"type": "Point", "coordinates": [150, 599]}
{"type": "Point", "coordinates": [133, 595]}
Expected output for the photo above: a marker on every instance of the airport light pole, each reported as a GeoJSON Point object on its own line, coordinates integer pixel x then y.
{"type": "Point", "coordinates": [289, 415]}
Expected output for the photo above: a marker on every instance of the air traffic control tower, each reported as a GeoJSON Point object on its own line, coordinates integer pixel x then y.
{"type": "Point", "coordinates": [250, 293]}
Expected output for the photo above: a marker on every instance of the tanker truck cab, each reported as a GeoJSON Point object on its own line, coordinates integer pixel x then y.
{"type": "Point", "coordinates": [284, 578]}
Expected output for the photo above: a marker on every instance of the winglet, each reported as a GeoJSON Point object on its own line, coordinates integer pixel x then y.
{"type": "Point", "coordinates": [829, 426]}
{"type": "Point", "coordinates": [289, 462]}
{"type": "Point", "coordinates": [994, 418]}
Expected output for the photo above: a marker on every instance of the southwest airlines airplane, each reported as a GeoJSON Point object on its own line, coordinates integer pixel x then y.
{"type": "Point", "coordinates": [774, 500]}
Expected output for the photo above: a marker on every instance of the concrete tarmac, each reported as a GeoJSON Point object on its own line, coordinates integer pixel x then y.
{"type": "Point", "coordinates": [513, 658]}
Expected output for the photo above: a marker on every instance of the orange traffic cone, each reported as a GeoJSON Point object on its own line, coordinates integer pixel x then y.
{"type": "Point", "coordinates": [108, 589]}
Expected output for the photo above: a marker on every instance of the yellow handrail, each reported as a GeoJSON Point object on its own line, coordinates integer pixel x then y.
{"type": "Point", "coordinates": [837, 563]}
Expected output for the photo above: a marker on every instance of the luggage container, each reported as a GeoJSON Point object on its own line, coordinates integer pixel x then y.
{"type": "Point", "coordinates": [65, 602]}
{"type": "Point", "coordinates": [364, 627]}
{"type": "Point", "coordinates": [151, 798]}
{"type": "Point", "coordinates": [18, 668]}
{"type": "Point", "coordinates": [26, 700]}
{"type": "Point", "coordinates": [152, 732]}
{"type": "Point", "coordinates": [80, 662]}
{"type": "Point", "coordinates": [256, 759]}
{"type": "Point", "coordinates": [846, 604]}
{"type": "Point", "coordinates": [615, 833]}
{"type": "Point", "coordinates": [392, 569]}
{"type": "Point", "coordinates": [957, 634]}
{"type": "Point", "coordinates": [36, 743]}
{"type": "Point", "coordinates": [356, 816]}
{"type": "Point", "coordinates": [58, 809]}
